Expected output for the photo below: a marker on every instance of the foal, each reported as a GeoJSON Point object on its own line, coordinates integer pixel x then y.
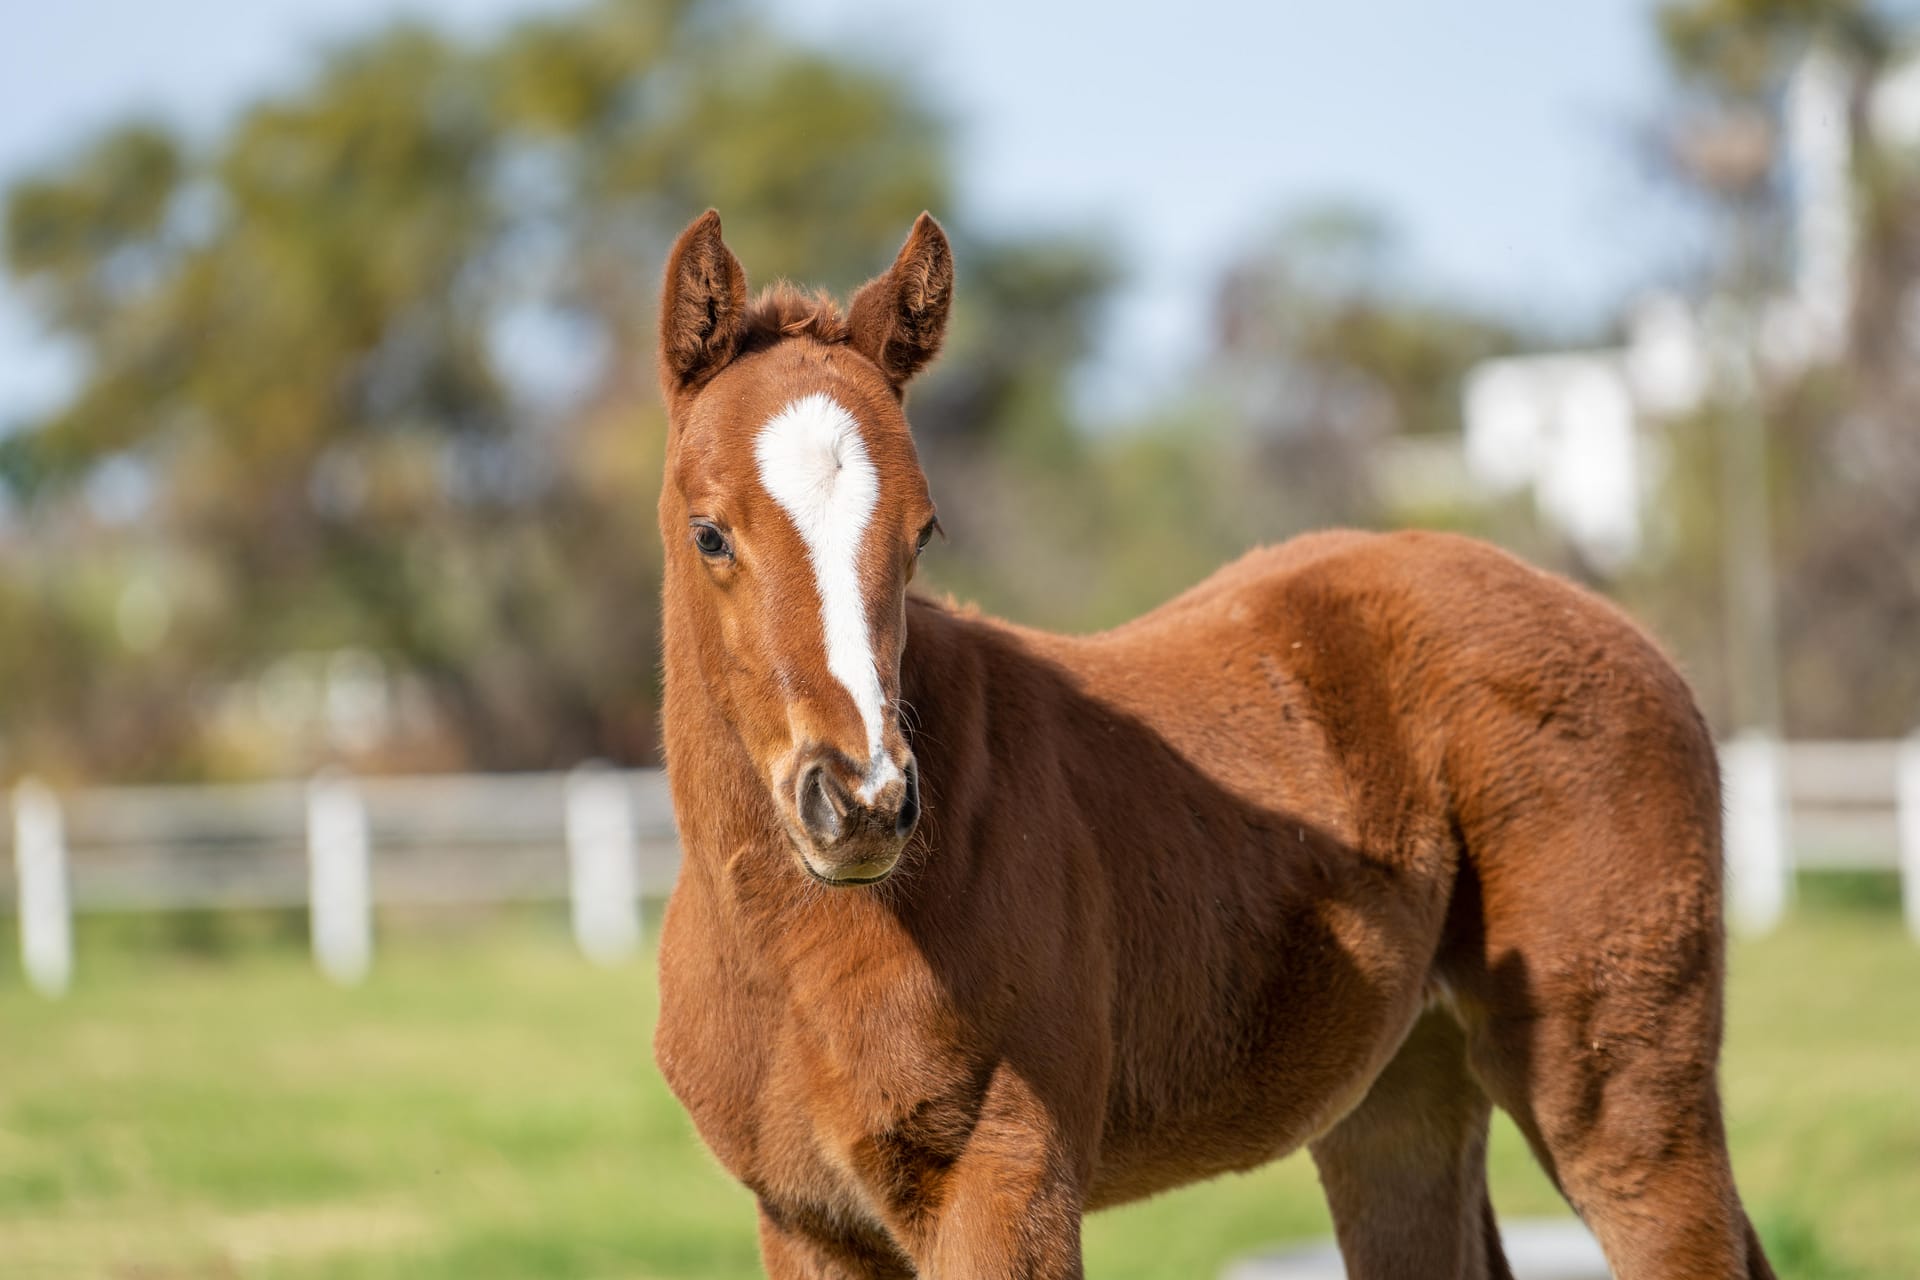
{"type": "Point", "coordinates": [980, 928]}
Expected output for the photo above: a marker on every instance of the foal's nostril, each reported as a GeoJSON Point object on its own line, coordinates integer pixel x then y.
{"type": "Point", "coordinates": [909, 804]}
{"type": "Point", "coordinates": [822, 804]}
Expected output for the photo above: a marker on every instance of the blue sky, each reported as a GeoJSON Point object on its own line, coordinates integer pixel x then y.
{"type": "Point", "coordinates": [1495, 136]}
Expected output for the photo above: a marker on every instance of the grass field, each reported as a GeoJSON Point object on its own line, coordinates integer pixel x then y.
{"type": "Point", "coordinates": [486, 1106]}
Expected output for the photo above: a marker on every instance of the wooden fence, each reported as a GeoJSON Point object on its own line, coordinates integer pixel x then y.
{"type": "Point", "coordinates": [602, 840]}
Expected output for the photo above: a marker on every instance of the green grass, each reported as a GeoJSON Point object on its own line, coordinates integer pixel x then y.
{"type": "Point", "coordinates": [486, 1106]}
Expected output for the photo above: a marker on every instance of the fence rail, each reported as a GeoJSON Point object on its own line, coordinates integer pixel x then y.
{"type": "Point", "coordinates": [602, 839]}
{"type": "Point", "coordinates": [440, 840]}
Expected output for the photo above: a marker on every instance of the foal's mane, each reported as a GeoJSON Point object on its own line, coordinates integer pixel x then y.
{"type": "Point", "coordinates": [785, 310]}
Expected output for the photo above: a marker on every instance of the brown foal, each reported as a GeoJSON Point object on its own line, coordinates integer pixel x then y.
{"type": "Point", "coordinates": [980, 928]}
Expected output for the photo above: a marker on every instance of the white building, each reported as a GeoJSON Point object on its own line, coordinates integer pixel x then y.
{"type": "Point", "coordinates": [1573, 427]}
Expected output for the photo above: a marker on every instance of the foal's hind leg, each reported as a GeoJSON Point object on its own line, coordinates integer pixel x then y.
{"type": "Point", "coordinates": [1406, 1171]}
{"type": "Point", "coordinates": [1593, 1008]}
{"type": "Point", "coordinates": [1631, 1133]}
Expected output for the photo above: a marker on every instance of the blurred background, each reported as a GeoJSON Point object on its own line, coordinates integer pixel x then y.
{"type": "Point", "coordinates": [329, 446]}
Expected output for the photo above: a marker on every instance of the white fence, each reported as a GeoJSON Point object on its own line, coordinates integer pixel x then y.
{"type": "Point", "coordinates": [1818, 806]}
{"type": "Point", "coordinates": [603, 839]}
{"type": "Point", "coordinates": [598, 838]}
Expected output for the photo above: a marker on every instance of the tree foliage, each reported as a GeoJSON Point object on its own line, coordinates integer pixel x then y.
{"type": "Point", "coordinates": [1741, 48]}
{"type": "Point", "coordinates": [1843, 456]}
{"type": "Point", "coordinates": [371, 372]}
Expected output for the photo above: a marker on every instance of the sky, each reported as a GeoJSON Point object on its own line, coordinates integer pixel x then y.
{"type": "Point", "coordinates": [1495, 137]}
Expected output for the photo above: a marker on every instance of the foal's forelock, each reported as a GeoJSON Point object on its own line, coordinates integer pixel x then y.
{"type": "Point", "coordinates": [815, 465]}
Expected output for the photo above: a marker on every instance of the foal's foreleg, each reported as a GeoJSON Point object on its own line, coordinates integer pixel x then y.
{"type": "Point", "coordinates": [797, 1247]}
{"type": "Point", "coordinates": [1406, 1171]}
{"type": "Point", "coordinates": [1007, 1223]}
{"type": "Point", "coordinates": [1009, 1208]}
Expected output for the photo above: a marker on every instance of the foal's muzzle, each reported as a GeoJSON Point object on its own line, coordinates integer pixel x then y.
{"type": "Point", "coordinates": [844, 839]}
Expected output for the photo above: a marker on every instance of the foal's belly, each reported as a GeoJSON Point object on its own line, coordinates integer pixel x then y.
{"type": "Point", "coordinates": [1238, 1044]}
{"type": "Point", "coordinates": [1135, 1170]}
{"type": "Point", "coordinates": [1239, 1122]}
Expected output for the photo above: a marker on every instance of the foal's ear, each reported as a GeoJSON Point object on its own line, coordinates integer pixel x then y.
{"type": "Point", "coordinates": [898, 319]}
{"type": "Point", "coordinates": [703, 306]}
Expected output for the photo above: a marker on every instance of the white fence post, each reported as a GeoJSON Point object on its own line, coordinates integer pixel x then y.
{"type": "Point", "coordinates": [1907, 810]}
{"type": "Point", "coordinates": [338, 884]}
{"type": "Point", "coordinates": [602, 878]}
{"type": "Point", "coordinates": [40, 863]}
{"type": "Point", "coordinates": [1759, 857]}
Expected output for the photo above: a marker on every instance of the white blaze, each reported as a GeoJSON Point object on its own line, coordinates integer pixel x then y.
{"type": "Point", "coordinates": [814, 463]}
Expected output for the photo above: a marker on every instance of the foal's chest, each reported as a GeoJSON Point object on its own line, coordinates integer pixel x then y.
{"type": "Point", "coordinates": [815, 1102]}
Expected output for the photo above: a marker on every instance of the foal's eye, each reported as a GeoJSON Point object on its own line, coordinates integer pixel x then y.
{"type": "Point", "coordinates": [926, 535]}
{"type": "Point", "coordinates": [710, 541]}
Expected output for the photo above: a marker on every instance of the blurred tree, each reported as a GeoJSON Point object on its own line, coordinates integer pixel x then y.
{"type": "Point", "coordinates": [1322, 333]}
{"type": "Point", "coordinates": [1327, 355]}
{"type": "Point", "coordinates": [372, 372]}
{"type": "Point", "coordinates": [1842, 461]}
{"type": "Point", "coordinates": [1742, 49]}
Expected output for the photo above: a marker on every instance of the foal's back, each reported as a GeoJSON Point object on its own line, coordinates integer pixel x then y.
{"type": "Point", "coordinates": [1346, 677]}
